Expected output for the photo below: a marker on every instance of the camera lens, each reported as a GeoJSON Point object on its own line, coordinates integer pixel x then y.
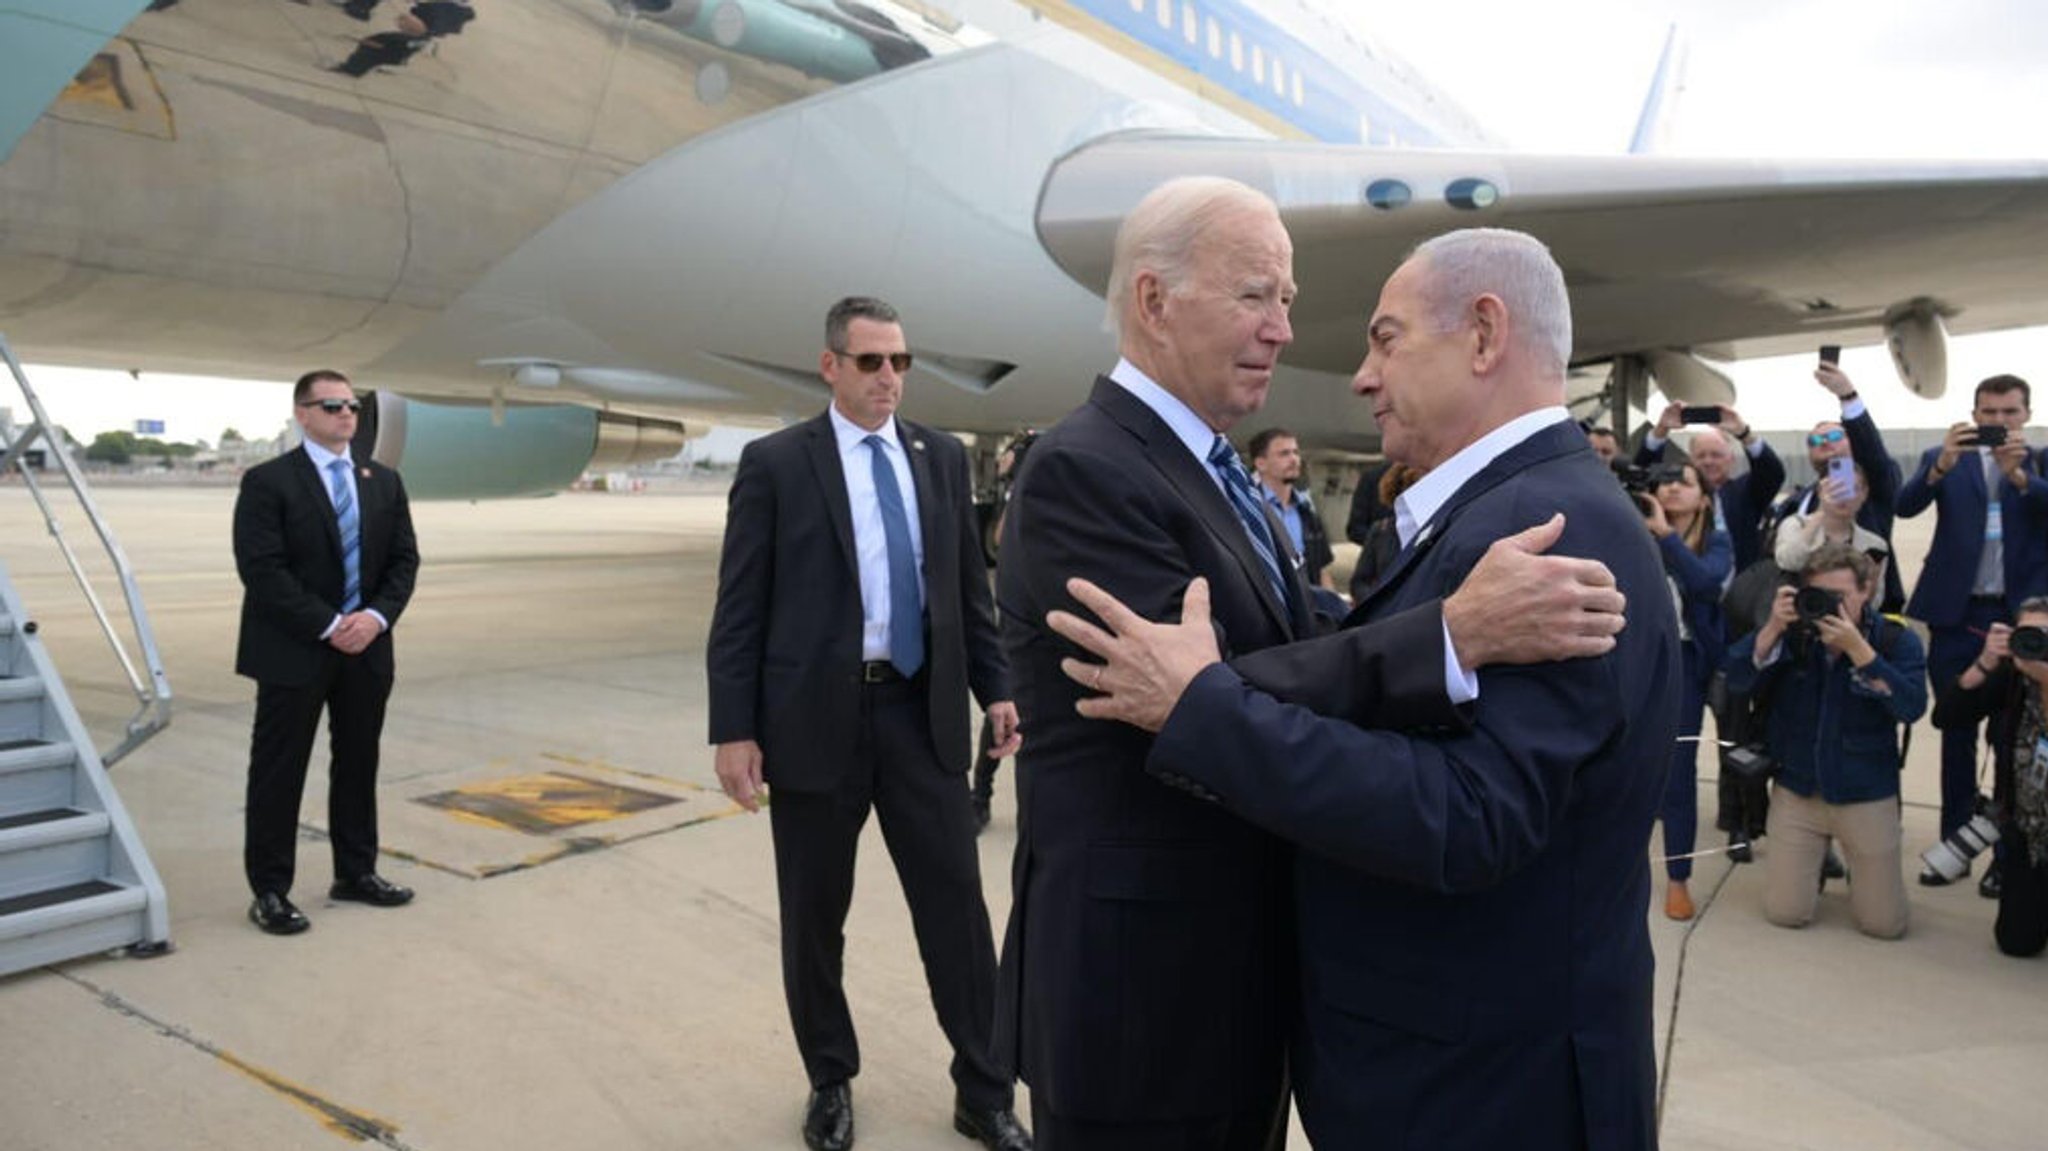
{"type": "Point", "coordinates": [2028, 643]}
{"type": "Point", "coordinates": [1814, 604]}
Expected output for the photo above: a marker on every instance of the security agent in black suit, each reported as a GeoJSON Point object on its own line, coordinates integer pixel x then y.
{"type": "Point", "coordinates": [853, 616]}
{"type": "Point", "coordinates": [1147, 970]}
{"type": "Point", "coordinates": [325, 549]}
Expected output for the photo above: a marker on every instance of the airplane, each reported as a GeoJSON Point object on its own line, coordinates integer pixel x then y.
{"type": "Point", "coordinates": [558, 234]}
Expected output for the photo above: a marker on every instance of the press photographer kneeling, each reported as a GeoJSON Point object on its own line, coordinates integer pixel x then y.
{"type": "Point", "coordinates": [2004, 684]}
{"type": "Point", "coordinates": [1840, 681]}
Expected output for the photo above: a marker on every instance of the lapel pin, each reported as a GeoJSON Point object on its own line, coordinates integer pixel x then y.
{"type": "Point", "coordinates": [917, 445]}
{"type": "Point", "coordinates": [363, 473]}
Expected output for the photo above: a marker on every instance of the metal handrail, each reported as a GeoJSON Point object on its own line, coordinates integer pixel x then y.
{"type": "Point", "coordinates": [154, 695]}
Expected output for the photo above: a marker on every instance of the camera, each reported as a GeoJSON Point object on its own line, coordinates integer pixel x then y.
{"type": "Point", "coordinates": [1990, 435]}
{"type": "Point", "coordinates": [1951, 857]}
{"type": "Point", "coordinates": [2028, 643]}
{"type": "Point", "coordinates": [1831, 353]}
{"type": "Point", "coordinates": [1814, 604]}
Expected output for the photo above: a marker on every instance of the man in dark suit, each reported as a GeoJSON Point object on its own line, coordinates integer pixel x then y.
{"type": "Point", "coordinates": [1147, 968]}
{"type": "Point", "coordinates": [1740, 502]}
{"type": "Point", "coordinates": [1987, 556]}
{"type": "Point", "coordinates": [1471, 893]}
{"type": "Point", "coordinates": [325, 549]}
{"type": "Point", "coordinates": [853, 615]}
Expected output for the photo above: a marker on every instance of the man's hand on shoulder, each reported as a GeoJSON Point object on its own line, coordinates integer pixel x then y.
{"type": "Point", "coordinates": [1519, 606]}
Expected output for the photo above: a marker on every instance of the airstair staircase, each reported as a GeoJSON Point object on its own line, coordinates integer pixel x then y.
{"type": "Point", "coordinates": [74, 877]}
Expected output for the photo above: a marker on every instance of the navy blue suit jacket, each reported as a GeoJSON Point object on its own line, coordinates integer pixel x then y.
{"type": "Point", "coordinates": [1475, 957]}
{"type": "Point", "coordinates": [1147, 970]}
{"type": "Point", "coordinates": [1942, 596]}
{"type": "Point", "coordinates": [1745, 500]}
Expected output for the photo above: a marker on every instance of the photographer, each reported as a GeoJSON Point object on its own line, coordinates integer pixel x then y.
{"type": "Point", "coordinates": [1697, 561]}
{"type": "Point", "coordinates": [1832, 522]}
{"type": "Point", "coordinates": [1841, 681]}
{"type": "Point", "coordinates": [1854, 436]}
{"type": "Point", "coordinates": [1990, 552]}
{"type": "Point", "coordinates": [2003, 684]}
{"type": "Point", "coordinates": [1739, 502]}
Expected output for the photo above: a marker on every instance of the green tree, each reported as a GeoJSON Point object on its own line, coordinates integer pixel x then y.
{"type": "Point", "coordinates": [112, 448]}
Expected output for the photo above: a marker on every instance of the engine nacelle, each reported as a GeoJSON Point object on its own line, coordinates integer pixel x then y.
{"type": "Point", "coordinates": [1918, 342]}
{"type": "Point", "coordinates": [1685, 379]}
{"type": "Point", "coordinates": [461, 452]}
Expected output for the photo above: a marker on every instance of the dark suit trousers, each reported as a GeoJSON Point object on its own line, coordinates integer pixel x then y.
{"type": "Point", "coordinates": [287, 718]}
{"type": "Point", "coordinates": [1244, 1131]}
{"type": "Point", "coordinates": [1949, 652]}
{"type": "Point", "coordinates": [928, 825]}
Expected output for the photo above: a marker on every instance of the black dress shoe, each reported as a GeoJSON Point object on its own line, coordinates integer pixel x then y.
{"type": "Point", "coordinates": [828, 1121]}
{"type": "Point", "coordinates": [1739, 850]}
{"type": "Point", "coordinates": [996, 1128]}
{"type": "Point", "coordinates": [1991, 885]}
{"type": "Point", "coordinates": [372, 889]}
{"type": "Point", "coordinates": [1932, 878]}
{"type": "Point", "coordinates": [1831, 864]}
{"type": "Point", "coordinates": [274, 913]}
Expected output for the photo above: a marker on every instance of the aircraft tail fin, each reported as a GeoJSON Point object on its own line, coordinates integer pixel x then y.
{"type": "Point", "coordinates": [1660, 107]}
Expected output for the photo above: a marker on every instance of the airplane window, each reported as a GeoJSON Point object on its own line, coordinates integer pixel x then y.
{"type": "Point", "coordinates": [1386, 195]}
{"type": "Point", "coordinates": [1189, 25]}
{"type": "Point", "coordinates": [1279, 80]}
{"type": "Point", "coordinates": [1236, 52]}
{"type": "Point", "coordinates": [1215, 40]}
{"type": "Point", "coordinates": [1166, 14]}
{"type": "Point", "coordinates": [1258, 64]}
{"type": "Point", "coordinates": [1137, 5]}
{"type": "Point", "coordinates": [1364, 128]}
{"type": "Point", "coordinates": [1297, 90]}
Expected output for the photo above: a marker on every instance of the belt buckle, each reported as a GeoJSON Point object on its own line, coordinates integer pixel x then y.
{"type": "Point", "coordinates": [876, 671]}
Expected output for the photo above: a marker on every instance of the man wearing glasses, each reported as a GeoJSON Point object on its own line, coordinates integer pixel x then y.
{"type": "Point", "coordinates": [324, 546]}
{"type": "Point", "coordinates": [853, 616]}
{"type": "Point", "coordinates": [1854, 435]}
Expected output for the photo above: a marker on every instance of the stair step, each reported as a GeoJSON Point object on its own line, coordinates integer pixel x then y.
{"type": "Point", "coordinates": [52, 825]}
{"type": "Point", "coordinates": [83, 925]}
{"type": "Point", "coordinates": [13, 687]}
{"type": "Point", "coordinates": [32, 818]}
{"type": "Point", "coordinates": [34, 754]}
{"type": "Point", "coordinates": [56, 895]}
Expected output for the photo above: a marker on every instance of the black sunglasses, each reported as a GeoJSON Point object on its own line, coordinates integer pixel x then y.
{"type": "Point", "coordinates": [871, 362]}
{"type": "Point", "coordinates": [334, 407]}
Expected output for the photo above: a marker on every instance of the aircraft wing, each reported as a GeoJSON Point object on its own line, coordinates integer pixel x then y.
{"type": "Point", "coordinates": [1725, 258]}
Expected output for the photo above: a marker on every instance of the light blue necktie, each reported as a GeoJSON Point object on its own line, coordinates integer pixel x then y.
{"type": "Point", "coordinates": [906, 606]}
{"type": "Point", "coordinates": [350, 523]}
{"type": "Point", "coordinates": [1238, 485]}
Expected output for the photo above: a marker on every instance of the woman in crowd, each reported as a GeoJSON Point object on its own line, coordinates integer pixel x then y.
{"type": "Point", "coordinates": [1833, 521]}
{"type": "Point", "coordinates": [1841, 682]}
{"type": "Point", "coordinates": [1698, 558]}
{"type": "Point", "coordinates": [2005, 686]}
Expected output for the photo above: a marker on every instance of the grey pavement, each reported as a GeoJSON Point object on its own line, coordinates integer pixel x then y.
{"type": "Point", "coordinates": [615, 984]}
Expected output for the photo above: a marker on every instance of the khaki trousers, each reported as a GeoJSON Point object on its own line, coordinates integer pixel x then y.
{"type": "Point", "coordinates": [1799, 828]}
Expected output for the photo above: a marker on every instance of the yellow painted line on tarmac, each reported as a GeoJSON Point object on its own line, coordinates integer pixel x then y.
{"type": "Point", "coordinates": [346, 1122]}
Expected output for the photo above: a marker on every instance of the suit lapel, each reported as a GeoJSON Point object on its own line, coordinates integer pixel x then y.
{"type": "Point", "coordinates": [1548, 443]}
{"type": "Point", "coordinates": [831, 474]}
{"type": "Point", "coordinates": [928, 518]}
{"type": "Point", "coordinates": [316, 491]}
{"type": "Point", "coordinates": [1193, 482]}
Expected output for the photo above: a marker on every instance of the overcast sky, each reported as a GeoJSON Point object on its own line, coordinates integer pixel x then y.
{"type": "Point", "coordinates": [1957, 78]}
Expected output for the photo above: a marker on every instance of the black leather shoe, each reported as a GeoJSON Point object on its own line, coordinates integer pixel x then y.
{"type": "Point", "coordinates": [373, 889]}
{"type": "Point", "coordinates": [1832, 867]}
{"type": "Point", "coordinates": [828, 1121]}
{"type": "Point", "coordinates": [274, 913]}
{"type": "Point", "coordinates": [996, 1129]}
{"type": "Point", "coordinates": [1739, 850]}
{"type": "Point", "coordinates": [1991, 885]}
{"type": "Point", "coordinates": [1932, 878]}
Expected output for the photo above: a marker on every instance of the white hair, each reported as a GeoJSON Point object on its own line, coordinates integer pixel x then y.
{"type": "Point", "coordinates": [1513, 266]}
{"type": "Point", "coordinates": [1161, 234]}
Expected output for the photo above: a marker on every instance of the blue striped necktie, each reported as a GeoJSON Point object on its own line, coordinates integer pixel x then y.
{"type": "Point", "coordinates": [350, 523]}
{"type": "Point", "coordinates": [1238, 486]}
{"type": "Point", "coordinates": [906, 605]}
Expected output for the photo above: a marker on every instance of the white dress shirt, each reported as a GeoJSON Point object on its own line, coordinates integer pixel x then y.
{"type": "Point", "coordinates": [322, 461]}
{"type": "Point", "coordinates": [870, 540]}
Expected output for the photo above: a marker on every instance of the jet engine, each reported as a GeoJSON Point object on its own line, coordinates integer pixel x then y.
{"type": "Point", "coordinates": [463, 452]}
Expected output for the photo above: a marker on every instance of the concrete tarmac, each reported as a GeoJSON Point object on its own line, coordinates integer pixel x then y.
{"type": "Point", "coordinates": [615, 983]}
